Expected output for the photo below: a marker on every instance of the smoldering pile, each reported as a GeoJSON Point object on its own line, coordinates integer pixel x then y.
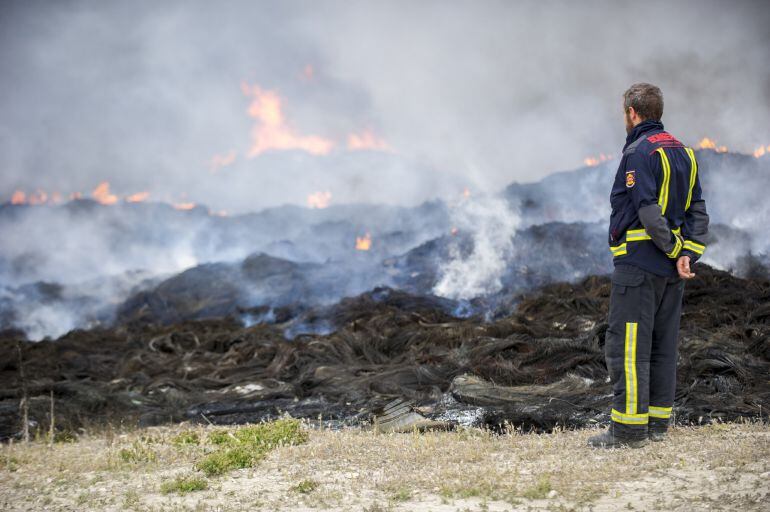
{"type": "Point", "coordinates": [540, 366]}
{"type": "Point", "coordinates": [83, 264]}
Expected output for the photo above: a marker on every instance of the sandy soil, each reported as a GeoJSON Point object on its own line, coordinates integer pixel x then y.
{"type": "Point", "coordinates": [716, 467]}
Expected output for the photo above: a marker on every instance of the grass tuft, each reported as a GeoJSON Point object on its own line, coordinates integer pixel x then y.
{"type": "Point", "coordinates": [402, 494]}
{"type": "Point", "coordinates": [219, 437]}
{"type": "Point", "coordinates": [9, 463]}
{"type": "Point", "coordinates": [184, 484]}
{"type": "Point", "coordinates": [137, 453]}
{"type": "Point", "coordinates": [224, 460]}
{"type": "Point", "coordinates": [305, 486]}
{"type": "Point", "coordinates": [246, 446]}
{"type": "Point", "coordinates": [188, 437]}
{"type": "Point", "coordinates": [540, 490]}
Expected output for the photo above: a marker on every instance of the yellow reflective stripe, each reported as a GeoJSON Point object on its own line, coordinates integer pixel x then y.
{"type": "Point", "coordinates": [634, 235]}
{"type": "Point", "coordinates": [619, 250]}
{"type": "Point", "coordinates": [660, 412]}
{"type": "Point", "coordinates": [663, 198]}
{"type": "Point", "coordinates": [630, 367]}
{"type": "Point", "coordinates": [693, 174]}
{"type": "Point", "coordinates": [630, 419]}
{"type": "Point", "coordinates": [677, 248]}
{"type": "Point", "coordinates": [694, 247]}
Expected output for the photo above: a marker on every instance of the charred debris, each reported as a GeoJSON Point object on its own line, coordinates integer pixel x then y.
{"type": "Point", "coordinates": [535, 364]}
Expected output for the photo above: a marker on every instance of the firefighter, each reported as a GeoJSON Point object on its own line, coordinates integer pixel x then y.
{"type": "Point", "coordinates": [657, 232]}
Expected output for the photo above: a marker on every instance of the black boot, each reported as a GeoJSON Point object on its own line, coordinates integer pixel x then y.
{"type": "Point", "coordinates": [657, 429]}
{"type": "Point", "coordinates": [613, 438]}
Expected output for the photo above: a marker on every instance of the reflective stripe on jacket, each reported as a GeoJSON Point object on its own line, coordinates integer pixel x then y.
{"type": "Point", "coordinates": [657, 184]}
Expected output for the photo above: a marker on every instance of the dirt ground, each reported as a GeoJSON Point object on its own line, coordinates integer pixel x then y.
{"type": "Point", "coordinates": [715, 467]}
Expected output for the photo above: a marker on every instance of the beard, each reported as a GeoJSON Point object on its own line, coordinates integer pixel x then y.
{"type": "Point", "coordinates": [629, 124]}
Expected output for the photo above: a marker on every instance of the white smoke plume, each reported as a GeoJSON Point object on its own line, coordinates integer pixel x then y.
{"type": "Point", "coordinates": [491, 224]}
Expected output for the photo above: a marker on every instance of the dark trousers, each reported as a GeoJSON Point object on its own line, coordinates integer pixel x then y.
{"type": "Point", "coordinates": [641, 349]}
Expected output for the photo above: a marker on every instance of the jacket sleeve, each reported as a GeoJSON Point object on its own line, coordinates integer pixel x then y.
{"type": "Point", "coordinates": [642, 186]}
{"type": "Point", "coordinates": [696, 223]}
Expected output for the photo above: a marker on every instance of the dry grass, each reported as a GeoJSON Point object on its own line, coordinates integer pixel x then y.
{"type": "Point", "coordinates": [722, 466]}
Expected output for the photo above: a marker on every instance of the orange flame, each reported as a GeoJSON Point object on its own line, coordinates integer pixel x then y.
{"type": "Point", "coordinates": [706, 143]}
{"type": "Point", "coordinates": [364, 243]}
{"type": "Point", "coordinates": [219, 161]}
{"type": "Point", "coordinates": [184, 206]}
{"type": "Point", "coordinates": [37, 197]}
{"type": "Point", "coordinates": [138, 197]}
{"type": "Point", "coordinates": [271, 130]}
{"type": "Point", "coordinates": [18, 197]}
{"type": "Point", "coordinates": [593, 161]}
{"type": "Point", "coordinates": [466, 192]}
{"type": "Point", "coordinates": [453, 231]}
{"type": "Point", "coordinates": [308, 72]}
{"type": "Point", "coordinates": [319, 199]}
{"type": "Point", "coordinates": [76, 195]}
{"type": "Point", "coordinates": [102, 194]}
{"type": "Point", "coordinates": [366, 140]}
{"type": "Point", "coordinates": [761, 150]}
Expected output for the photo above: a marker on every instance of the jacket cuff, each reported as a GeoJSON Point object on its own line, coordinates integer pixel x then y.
{"type": "Point", "coordinates": [678, 245]}
{"type": "Point", "coordinates": [694, 247]}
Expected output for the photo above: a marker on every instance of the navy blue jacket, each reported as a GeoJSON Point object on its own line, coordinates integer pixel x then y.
{"type": "Point", "coordinates": [658, 212]}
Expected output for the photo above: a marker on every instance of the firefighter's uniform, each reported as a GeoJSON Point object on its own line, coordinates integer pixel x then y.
{"type": "Point", "coordinates": [658, 215]}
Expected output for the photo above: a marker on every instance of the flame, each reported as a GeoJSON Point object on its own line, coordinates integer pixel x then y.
{"type": "Point", "coordinates": [453, 231]}
{"type": "Point", "coordinates": [184, 206]}
{"type": "Point", "coordinates": [363, 243]}
{"type": "Point", "coordinates": [219, 161]}
{"type": "Point", "coordinates": [218, 213]}
{"type": "Point", "coordinates": [102, 194]}
{"type": "Point", "coordinates": [366, 140]}
{"type": "Point", "coordinates": [138, 197]}
{"type": "Point", "coordinates": [466, 192]}
{"type": "Point", "coordinates": [271, 130]}
{"type": "Point", "coordinates": [761, 150]}
{"type": "Point", "coordinates": [18, 197]}
{"type": "Point", "coordinates": [706, 143]}
{"type": "Point", "coordinates": [308, 72]}
{"type": "Point", "coordinates": [76, 195]}
{"type": "Point", "coordinates": [37, 197]}
{"type": "Point", "coordinates": [593, 161]}
{"type": "Point", "coordinates": [319, 199]}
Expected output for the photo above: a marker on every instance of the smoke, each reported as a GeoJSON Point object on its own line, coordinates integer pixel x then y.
{"type": "Point", "coordinates": [411, 101]}
{"type": "Point", "coordinates": [51, 309]}
{"type": "Point", "coordinates": [146, 95]}
{"type": "Point", "coordinates": [491, 225]}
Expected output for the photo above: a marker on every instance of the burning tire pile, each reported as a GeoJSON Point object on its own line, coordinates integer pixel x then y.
{"type": "Point", "coordinates": [539, 366]}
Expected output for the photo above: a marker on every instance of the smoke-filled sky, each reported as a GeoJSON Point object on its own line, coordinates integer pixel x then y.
{"type": "Point", "coordinates": [241, 105]}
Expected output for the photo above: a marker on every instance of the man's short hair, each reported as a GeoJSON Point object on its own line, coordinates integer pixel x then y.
{"type": "Point", "coordinates": [646, 99]}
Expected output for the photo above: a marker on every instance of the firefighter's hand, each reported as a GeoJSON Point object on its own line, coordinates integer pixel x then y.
{"type": "Point", "coordinates": [683, 267]}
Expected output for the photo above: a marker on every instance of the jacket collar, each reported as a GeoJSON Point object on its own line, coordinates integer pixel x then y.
{"type": "Point", "coordinates": [641, 129]}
